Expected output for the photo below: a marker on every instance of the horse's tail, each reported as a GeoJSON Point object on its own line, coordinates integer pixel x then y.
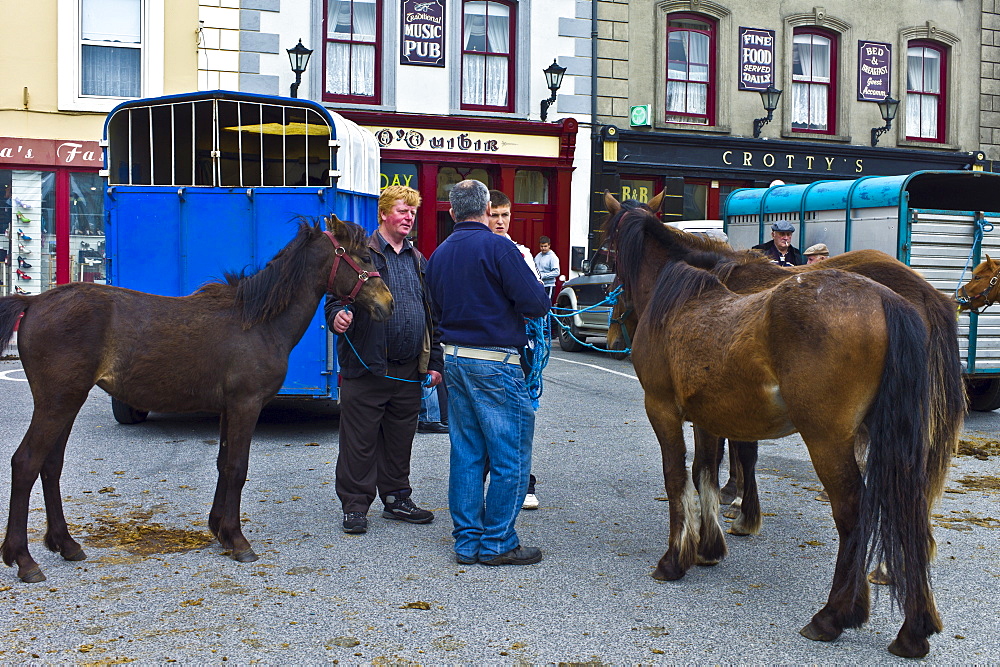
{"type": "Point", "coordinates": [947, 401]}
{"type": "Point", "coordinates": [895, 519]}
{"type": "Point", "coordinates": [11, 308]}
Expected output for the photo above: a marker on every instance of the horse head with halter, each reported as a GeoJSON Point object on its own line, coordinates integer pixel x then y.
{"type": "Point", "coordinates": [984, 279]}
{"type": "Point", "coordinates": [340, 253]}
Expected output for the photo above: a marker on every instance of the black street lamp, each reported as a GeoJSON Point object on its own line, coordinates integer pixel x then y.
{"type": "Point", "coordinates": [553, 78]}
{"type": "Point", "coordinates": [299, 57]}
{"type": "Point", "coordinates": [769, 97]}
{"type": "Point", "coordinates": [887, 108]}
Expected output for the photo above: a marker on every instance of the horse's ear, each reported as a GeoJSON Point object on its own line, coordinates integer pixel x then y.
{"type": "Point", "coordinates": [988, 260]}
{"type": "Point", "coordinates": [657, 201]}
{"type": "Point", "coordinates": [334, 224]}
{"type": "Point", "coordinates": [611, 203]}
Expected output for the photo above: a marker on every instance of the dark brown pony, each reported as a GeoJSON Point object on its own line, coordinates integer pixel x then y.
{"type": "Point", "coordinates": [222, 349]}
{"type": "Point", "coordinates": [830, 354]}
{"type": "Point", "coordinates": [746, 272]}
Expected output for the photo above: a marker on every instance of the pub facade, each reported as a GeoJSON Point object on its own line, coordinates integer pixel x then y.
{"type": "Point", "coordinates": [742, 95]}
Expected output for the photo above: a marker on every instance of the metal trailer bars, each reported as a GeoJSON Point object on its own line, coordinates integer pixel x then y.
{"type": "Point", "coordinates": [289, 138]}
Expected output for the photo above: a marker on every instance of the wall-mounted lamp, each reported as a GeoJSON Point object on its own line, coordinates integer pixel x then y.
{"type": "Point", "coordinates": [553, 78]}
{"type": "Point", "coordinates": [299, 58]}
{"type": "Point", "coordinates": [769, 97]}
{"type": "Point", "coordinates": [887, 108]}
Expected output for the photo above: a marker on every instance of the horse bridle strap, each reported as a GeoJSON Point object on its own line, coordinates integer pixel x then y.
{"type": "Point", "coordinates": [341, 253]}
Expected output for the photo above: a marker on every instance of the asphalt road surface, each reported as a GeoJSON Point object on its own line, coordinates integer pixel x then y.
{"type": "Point", "coordinates": [156, 587]}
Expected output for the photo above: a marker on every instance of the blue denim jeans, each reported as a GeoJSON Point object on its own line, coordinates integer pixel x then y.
{"type": "Point", "coordinates": [430, 406]}
{"type": "Point", "coordinates": [491, 420]}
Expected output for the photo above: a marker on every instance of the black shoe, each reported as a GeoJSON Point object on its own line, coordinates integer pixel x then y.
{"type": "Point", "coordinates": [431, 427]}
{"type": "Point", "coordinates": [465, 560]}
{"type": "Point", "coordinates": [403, 509]}
{"type": "Point", "coordinates": [355, 522]}
{"type": "Point", "coordinates": [518, 556]}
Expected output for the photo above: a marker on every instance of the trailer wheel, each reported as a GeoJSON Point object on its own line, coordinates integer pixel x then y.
{"type": "Point", "coordinates": [984, 394]}
{"type": "Point", "coordinates": [125, 413]}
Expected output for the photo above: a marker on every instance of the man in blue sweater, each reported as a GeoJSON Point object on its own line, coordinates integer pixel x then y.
{"type": "Point", "coordinates": [481, 290]}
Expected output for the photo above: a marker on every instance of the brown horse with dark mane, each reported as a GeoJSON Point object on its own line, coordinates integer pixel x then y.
{"type": "Point", "coordinates": [222, 349]}
{"type": "Point", "coordinates": [746, 272]}
{"type": "Point", "coordinates": [833, 355]}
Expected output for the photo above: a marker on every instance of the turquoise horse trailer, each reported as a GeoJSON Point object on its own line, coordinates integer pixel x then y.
{"type": "Point", "coordinates": [940, 223]}
{"type": "Point", "coordinates": [204, 183]}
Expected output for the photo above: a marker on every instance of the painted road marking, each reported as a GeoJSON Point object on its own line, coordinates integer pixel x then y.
{"type": "Point", "coordinates": [600, 368]}
{"type": "Point", "coordinates": [5, 375]}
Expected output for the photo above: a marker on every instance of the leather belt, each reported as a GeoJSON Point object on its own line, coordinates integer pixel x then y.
{"type": "Point", "coordinates": [485, 355]}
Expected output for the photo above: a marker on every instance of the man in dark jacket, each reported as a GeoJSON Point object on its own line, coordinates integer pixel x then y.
{"type": "Point", "coordinates": [381, 367]}
{"type": "Point", "coordinates": [780, 248]}
{"type": "Point", "coordinates": [481, 290]}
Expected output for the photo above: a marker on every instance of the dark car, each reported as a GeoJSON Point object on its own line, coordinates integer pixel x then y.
{"type": "Point", "coordinates": [581, 292]}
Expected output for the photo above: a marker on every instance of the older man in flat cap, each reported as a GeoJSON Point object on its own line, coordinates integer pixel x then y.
{"type": "Point", "coordinates": [780, 249]}
{"type": "Point", "coordinates": [816, 253]}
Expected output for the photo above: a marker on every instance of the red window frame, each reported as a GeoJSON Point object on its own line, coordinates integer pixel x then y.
{"type": "Point", "coordinates": [375, 98]}
{"type": "Point", "coordinates": [710, 85]}
{"type": "Point", "coordinates": [831, 85]}
{"type": "Point", "coordinates": [511, 83]}
{"type": "Point", "coordinates": [942, 94]}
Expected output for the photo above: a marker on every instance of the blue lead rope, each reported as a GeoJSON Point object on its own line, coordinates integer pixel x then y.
{"type": "Point", "coordinates": [981, 228]}
{"type": "Point", "coordinates": [540, 345]}
{"type": "Point", "coordinates": [610, 300]}
{"type": "Point", "coordinates": [423, 383]}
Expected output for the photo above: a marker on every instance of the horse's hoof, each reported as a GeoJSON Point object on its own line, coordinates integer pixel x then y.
{"type": "Point", "coordinates": [76, 555]}
{"type": "Point", "coordinates": [921, 649]}
{"type": "Point", "coordinates": [704, 562]}
{"type": "Point", "coordinates": [880, 576]}
{"type": "Point", "coordinates": [33, 576]}
{"type": "Point", "coordinates": [731, 513]}
{"type": "Point", "coordinates": [673, 574]}
{"type": "Point", "coordinates": [245, 556]}
{"type": "Point", "coordinates": [817, 634]}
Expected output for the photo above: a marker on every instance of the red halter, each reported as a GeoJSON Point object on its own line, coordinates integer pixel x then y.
{"type": "Point", "coordinates": [363, 276]}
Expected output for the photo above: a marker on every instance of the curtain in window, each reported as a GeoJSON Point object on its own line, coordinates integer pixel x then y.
{"type": "Point", "coordinates": [687, 67]}
{"type": "Point", "coordinates": [110, 71]}
{"type": "Point", "coordinates": [810, 79]}
{"type": "Point", "coordinates": [486, 27]}
{"type": "Point", "coordinates": [350, 64]}
{"type": "Point", "coordinates": [923, 75]}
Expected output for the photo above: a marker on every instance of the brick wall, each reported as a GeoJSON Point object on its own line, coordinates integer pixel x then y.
{"type": "Point", "coordinates": [989, 98]}
{"type": "Point", "coordinates": [612, 61]}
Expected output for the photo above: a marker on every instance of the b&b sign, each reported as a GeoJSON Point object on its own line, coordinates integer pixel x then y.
{"type": "Point", "coordinates": [756, 58]}
{"type": "Point", "coordinates": [422, 41]}
{"type": "Point", "coordinates": [874, 71]}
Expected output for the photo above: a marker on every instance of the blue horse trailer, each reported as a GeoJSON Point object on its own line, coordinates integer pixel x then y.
{"type": "Point", "coordinates": [204, 183]}
{"type": "Point", "coordinates": [940, 223]}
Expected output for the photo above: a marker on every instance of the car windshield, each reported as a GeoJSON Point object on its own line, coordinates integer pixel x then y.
{"type": "Point", "coordinates": [603, 261]}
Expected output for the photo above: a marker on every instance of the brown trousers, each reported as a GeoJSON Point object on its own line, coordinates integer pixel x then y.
{"type": "Point", "coordinates": [378, 418]}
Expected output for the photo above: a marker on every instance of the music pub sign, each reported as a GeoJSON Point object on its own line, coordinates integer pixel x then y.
{"type": "Point", "coordinates": [422, 41]}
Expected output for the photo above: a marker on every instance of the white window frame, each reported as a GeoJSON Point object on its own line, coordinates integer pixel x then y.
{"type": "Point", "coordinates": [70, 70]}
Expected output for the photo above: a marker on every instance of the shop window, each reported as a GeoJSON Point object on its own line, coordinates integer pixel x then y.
{"type": "Point", "coordinates": [487, 55]}
{"type": "Point", "coordinates": [531, 187]}
{"type": "Point", "coordinates": [925, 91]}
{"type": "Point", "coordinates": [639, 189]}
{"type": "Point", "coordinates": [814, 83]}
{"type": "Point", "coordinates": [449, 176]}
{"type": "Point", "coordinates": [690, 69]}
{"type": "Point", "coordinates": [353, 51]}
{"type": "Point", "coordinates": [86, 221]}
{"type": "Point", "coordinates": [28, 250]}
{"type": "Point", "coordinates": [110, 50]}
